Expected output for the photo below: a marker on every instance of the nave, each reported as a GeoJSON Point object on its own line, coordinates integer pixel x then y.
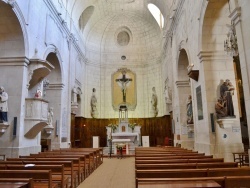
{"type": "Point", "coordinates": [151, 167]}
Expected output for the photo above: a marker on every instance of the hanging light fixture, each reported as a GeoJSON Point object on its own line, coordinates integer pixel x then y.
{"type": "Point", "coordinates": [230, 44]}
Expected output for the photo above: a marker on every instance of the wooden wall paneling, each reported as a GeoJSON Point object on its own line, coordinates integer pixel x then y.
{"type": "Point", "coordinates": [156, 128]}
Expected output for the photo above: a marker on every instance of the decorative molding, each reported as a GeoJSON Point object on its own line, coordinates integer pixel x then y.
{"type": "Point", "coordinates": [182, 84]}
{"type": "Point", "coordinates": [58, 86]}
{"type": "Point", "coordinates": [236, 15]}
{"type": "Point", "coordinates": [63, 27]}
{"type": "Point", "coordinates": [175, 19]}
{"type": "Point", "coordinates": [212, 55]}
{"type": "Point", "coordinates": [14, 61]}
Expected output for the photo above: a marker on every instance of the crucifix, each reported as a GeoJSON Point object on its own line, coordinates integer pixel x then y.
{"type": "Point", "coordinates": [123, 81]}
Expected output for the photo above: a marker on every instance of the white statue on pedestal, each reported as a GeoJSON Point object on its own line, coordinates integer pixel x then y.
{"type": "Point", "coordinates": [3, 105]}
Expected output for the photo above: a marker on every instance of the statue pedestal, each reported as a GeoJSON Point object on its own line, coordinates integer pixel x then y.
{"type": "Point", "coordinates": [228, 138]}
{"type": "Point", "coordinates": [3, 126]}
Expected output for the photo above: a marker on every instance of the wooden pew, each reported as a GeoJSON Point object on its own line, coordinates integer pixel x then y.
{"type": "Point", "coordinates": [18, 182]}
{"type": "Point", "coordinates": [68, 169]}
{"type": "Point", "coordinates": [174, 157]}
{"type": "Point", "coordinates": [91, 156]}
{"type": "Point", "coordinates": [167, 161]}
{"type": "Point", "coordinates": [42, 178]}
{"type": "Point", "coordinates": [185, 173]}
{"type": "Point", "coordinates": [67, 162]}
{"type": "Point", "coordinates": [98, 151]}
{"type": "Point", "coordinates": [185, 165]}
{"type": "Point", "coordinates": [224, 181]}
{"type": "Point", "coordinates": [56, 170]}
{"type": "Point", "coordinates": [98, 154]}
{"type": "Point", "coordinates": [79, 163]}
{"type": "Point", "coordinates": [85, 161]}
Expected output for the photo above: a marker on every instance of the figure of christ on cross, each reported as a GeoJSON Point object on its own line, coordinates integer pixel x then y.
{"type": "Point", "coordinates": [123, 81]}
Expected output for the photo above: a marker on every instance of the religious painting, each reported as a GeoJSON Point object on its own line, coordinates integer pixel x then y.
{"type": "Point", "coordinates": [124, 89]}
{"type": "Point", "coordinates": [199, 103]}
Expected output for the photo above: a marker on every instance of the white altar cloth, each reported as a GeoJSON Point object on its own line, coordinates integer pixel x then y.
{"type": "Point", "coordinates": [126, 135]}
{"type": "Point", "coordinates": [121, 141]}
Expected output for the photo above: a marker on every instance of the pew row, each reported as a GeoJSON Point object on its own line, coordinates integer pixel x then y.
{"type": "Point", "coordinates": [186, 165]}
{"type": "Point", "coordinates": [223, 181]}
{"type": "Point", "coordinates": [17, 182]}
{"type": "Point", "coordinates": [42, 178]}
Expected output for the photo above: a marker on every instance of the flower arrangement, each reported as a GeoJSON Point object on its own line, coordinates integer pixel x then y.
{"type": "Point", "coordinates": [120, 146]}
{"type": "Point", "coordinates": [113, 126]}
{"type": "Point", "coordinates": [132, 126]}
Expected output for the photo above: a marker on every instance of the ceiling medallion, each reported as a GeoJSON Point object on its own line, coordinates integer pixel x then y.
{"type": "Point", "coordinates": [120, 1]}
{"type": "Point", "coordinates": [123, 38]}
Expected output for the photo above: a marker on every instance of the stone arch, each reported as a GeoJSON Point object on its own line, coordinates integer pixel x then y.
{"type": "Point", "coordinates": [183, 91]}
{"type": "Point", "coordinates": [85, 16]}
{"type": "Point", "coordinates": [214, 26]}
{"type": "Point", "coordinates": [215, 67]}
{"type": "Point", "coordinates": [54, 93]}
{"type": "Point", "coordinates": [13, 40]}
{"type": "Point", "coordinates": [52, 49]}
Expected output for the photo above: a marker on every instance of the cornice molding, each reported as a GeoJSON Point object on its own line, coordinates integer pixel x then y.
{"type": "Point", "coordinates": [71, 39]}
{"type": "Point", "coordinates": [14, 61]}
{"type": "Point", "coordinates": [236, 15]}
{"type": "Point", "coordinates": [57, 86]}
{"type": "Point", "coordinates": [182, 84]}
{"type": "Point", "coordinates": [212, 55]}
{"type": "Point", "coordinates": [174, 23]}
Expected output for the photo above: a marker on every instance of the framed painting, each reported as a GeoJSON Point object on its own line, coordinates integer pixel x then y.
{"type": "Point", "coordinates": [199, 103]}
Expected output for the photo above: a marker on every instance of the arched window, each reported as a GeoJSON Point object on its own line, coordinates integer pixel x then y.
{"type": "Point", "coordinates": [84, 18]}
{"type": "Point", "coordinates": [155, 11]}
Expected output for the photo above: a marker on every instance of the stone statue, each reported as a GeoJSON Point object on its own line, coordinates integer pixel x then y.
{"type": "Point", "coordinates": [38, 93]}
{"type": "Point", "coordinates": [226, 92]}
{"type": "Point", "coordinates": [220, 109]}
{"type": "Point", "coordinates": [93, 104]}
{"type": "Point", "coordinates": [189, 110]}
{"type": "Point", "coordinates": [167, 92]}
{"type": "Point", "coordinates": [50, 116]}
{"type": "Point", "coordinates": [3, 105]}
{"type": "Point", "coordinates": [154, 102]}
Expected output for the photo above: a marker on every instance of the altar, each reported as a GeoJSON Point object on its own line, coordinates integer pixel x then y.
{"type": "Point", "coordinates": [129, 139]}
{"type": "Point", "coordinates": [123, 133]}
{"type": "Point", "coordinates": [121, 142]}
{"type": "Point", "coordinates": [132, 136]}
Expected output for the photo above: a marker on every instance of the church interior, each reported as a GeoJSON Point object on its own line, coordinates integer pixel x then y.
{"type": "Point", "coordinates": [141, 79]}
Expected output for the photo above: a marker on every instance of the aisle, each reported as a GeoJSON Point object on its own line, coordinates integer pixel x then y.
{"type": "Point", "coordinates": [113, 173]}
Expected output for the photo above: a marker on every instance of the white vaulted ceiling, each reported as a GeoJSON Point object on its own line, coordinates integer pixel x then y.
{"type": "Point", "coordinates": [113, 28]}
